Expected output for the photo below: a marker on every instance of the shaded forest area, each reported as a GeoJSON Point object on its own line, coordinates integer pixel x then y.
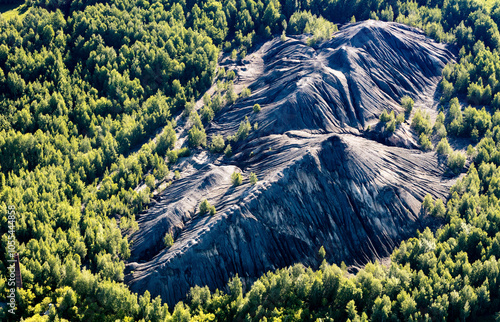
{"type": "Point", "coordinates": [84, 85]}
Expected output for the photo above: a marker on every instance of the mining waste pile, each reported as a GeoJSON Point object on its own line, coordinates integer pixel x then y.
{"type": "Point", "coordinates": [322, 181]}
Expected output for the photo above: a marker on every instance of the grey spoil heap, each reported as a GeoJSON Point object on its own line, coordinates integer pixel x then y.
{"type": "Point", "coordinates": [321, 181]}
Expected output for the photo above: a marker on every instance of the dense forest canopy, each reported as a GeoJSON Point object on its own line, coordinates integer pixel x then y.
{"type": "Point", "coordinates": [85, 85]}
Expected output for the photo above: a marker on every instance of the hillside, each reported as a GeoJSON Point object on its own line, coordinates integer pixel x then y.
{"type": "Point", "coordinates": [322, 181]}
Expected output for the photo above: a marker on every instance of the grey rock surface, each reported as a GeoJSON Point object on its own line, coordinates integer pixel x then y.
{"type": "Point", "coordinates": [321, 181]}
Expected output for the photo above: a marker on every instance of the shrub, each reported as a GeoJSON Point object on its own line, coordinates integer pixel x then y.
{"type": "Point", "coordinates": [253, 178]}
{"type": "Point", "coordinates": [236, 178]}
{"type": "Point", "coordinates": [230, 74]}
{"type": "Point", "coordinates": [400, 119]}
{"type": "Point", "coordinates": [221, 73]}
{"type": "Point", "coordinates": [386, 117]}
{"type": "Point", "coordinates": [407, 103]}
{"type": "Point", "coordinates": [177, 175]}
{"type": "Point", "coordinates": [230, 94]}
{"type": "Point", "coordinates": [168, 240]}
{"type": "Point", "coordinates": [391, 126]}
{"type": "Point", "coordinates": [183, 152]}
{"type": "Point", "coordinates": [212, 211]}
{"type": "Point", "coordinates": [172, 156]}
{"type": "Point", "coordinates": [204, 207]}
{"type": "Point", "coordinates": [245, 92]}
{"type": "Point", "coordinates": [256, 108]}
{"type": "Point", "coordinates": [228, 151]}
{"type": "Point", "coordinates": [218, 144]}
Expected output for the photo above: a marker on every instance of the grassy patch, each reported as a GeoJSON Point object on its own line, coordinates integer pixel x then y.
{"type": "Point", "coordinates": [12, 10]}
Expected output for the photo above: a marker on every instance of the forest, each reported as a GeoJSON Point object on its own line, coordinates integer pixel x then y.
{"type": "Point", "coordinates": [86, 85]}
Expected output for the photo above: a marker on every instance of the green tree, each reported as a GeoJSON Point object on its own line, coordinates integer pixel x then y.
{"type": "Point", "coordinates": [197, 137]}
{"type": "Point", "coordinates": [443, 147]}
{"type": "Point", "coordinates": [150, 182]}
{"type": "Point", "coordinates": [322, 252]}
{"type": "Point", "coordinates": [204, 207]}
{"type": "Point", "coordinates": [351, 311]}
{"type": "Point", "coordinates": [168, 240]}
{"type": "Point", "coordinates": [382, 308]}
{"type": "Point", "coordinates": [234, 54]}
{"type": "Point", "coordinates": [207, 114]}
{"type": "Point", "coordinates": [439, 209]}
{"type": "Point", "coordinates": [271, 15]}
{"type": "Point", "coordinates": [195, 119]}
{"type": "Point", "coordinates": [421, 122]}
{"type": "Point", "coordinates": [243, 130]}
{"type": "Point", "coordinates": [230, 94]}
{"type": "Point", "coordinates": [428, 203]}
{"type": "Point", "coordinates": [456, 161]}
{"type": "Point", "coordinates": [166, 140]}
{"type": "Point", "coordinates": [425, 142]}
{"type": "Point", "coordinates": [455, 118]}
